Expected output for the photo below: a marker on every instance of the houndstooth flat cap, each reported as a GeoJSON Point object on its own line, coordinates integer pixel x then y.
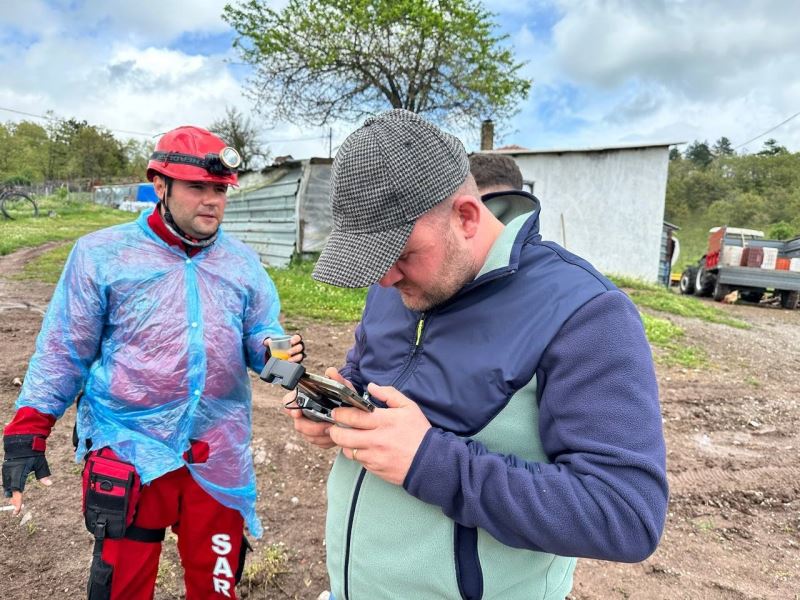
{"type": "Point", "coordinates": [387, 174]}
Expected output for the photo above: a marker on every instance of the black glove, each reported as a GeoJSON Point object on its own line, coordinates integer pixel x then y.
{"type": "Point", "coordinates": [24, 453]}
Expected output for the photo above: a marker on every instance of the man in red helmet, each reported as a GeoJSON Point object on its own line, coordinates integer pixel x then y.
{"type": "Point", "coordinates": [156, 322]}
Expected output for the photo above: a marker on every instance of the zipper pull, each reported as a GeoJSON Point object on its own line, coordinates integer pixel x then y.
{"type": "Point", "coordinates": [420, 325]}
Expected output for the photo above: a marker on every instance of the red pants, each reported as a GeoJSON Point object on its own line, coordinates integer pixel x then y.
{"type": "Point", "coordinates": [210, 542]}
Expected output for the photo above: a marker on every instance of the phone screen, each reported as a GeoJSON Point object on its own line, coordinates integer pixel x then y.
{"type": "Point", "coordinates": [323, 386]}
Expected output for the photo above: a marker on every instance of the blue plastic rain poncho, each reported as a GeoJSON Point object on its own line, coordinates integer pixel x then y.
{"type": "Point", "coordinates": [160, 343]}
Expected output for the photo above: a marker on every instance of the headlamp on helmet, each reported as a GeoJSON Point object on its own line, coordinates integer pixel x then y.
{"type": "Point", "coordinates": [230, 158]}
{"type": "Point", "coordinates": [225, 162]}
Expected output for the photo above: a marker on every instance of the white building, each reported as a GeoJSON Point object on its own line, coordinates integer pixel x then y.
{"type": "Point", "coordinates": [604, 204]}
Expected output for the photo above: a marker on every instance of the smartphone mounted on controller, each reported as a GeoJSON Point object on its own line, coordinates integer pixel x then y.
{"type": "Point", "coordinates": [317, 396]}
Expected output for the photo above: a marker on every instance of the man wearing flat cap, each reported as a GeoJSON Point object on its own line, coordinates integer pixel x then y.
{"type": "Point", "coordinates": [521, 426]}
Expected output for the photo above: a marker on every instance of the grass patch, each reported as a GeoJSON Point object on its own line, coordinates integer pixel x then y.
{"type": "Point", "coordinates": [685, 306]}
{"type": "Point", "coordinates": [668, 337]}
{"type": "Point", "coordinates": [752, 381]}
{"type": "Point", "coordinates": [659, 298]}
{"type": "Point", "coordinates": [705, 525]}
{"type": "Point", "coordinates": [302, 296]}
{"type": "Point", "coordinates": [631, 283]}
{"type": "Point", "coordinates": [48, 266]}
{"type": "Point", "coordinates": [60, 219]}
{"type": "Point", "coordinates": [263, 570]}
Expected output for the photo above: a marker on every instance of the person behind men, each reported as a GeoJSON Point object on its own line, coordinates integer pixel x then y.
{"type": "Point", "coordinates": [521, 425]}
{"type": "Point", "coordinates": [494, 172]}
{"type": "Point", "coordinates": [157, 321]}
{"type": "Point", "coordinates": [499, 182]}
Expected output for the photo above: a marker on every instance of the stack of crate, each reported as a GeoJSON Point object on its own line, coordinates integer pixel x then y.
{"type": "Point", "coordinates": [731, 256]}
{"type": "Point", "coordinates": [791, 251]}
{"type": "Point", "coordinates": [770, 258]}
{"type": "Point", "coordinates": [752, 257]}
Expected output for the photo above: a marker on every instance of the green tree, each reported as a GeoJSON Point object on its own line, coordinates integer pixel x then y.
{"type": "Point", "coordinates": [97, 154]}
{"type": "Point", "coordinates": [781, 231]}
{"type": "Point", "coordinates": [137, 154]}
{"type": "Point", "coordinates": [676, 208]}
{"type": "Point", "coordinates": [24, 151]}
{"type": "Point", "coordinates": [743, 209]}
{"type": "Point", "coordinates": [699, 153]}
{"type": "Point", "coordinates": [772, 148]}
{"type": "Point", "coordinates": [766, 173]}
{"type": "Point", "coordinates": [318, 60]}
{"type": "Point", "coordinates": [674, 153]}
{"type": "Point", "coordinates": [723, 147]}
{"type": "Point", "coordinates": [239, 131]}
{"type": "Point", "coordinates": [5, 151]}
{"type": "Point", "coordinates": [66, 149]}
{"type": "Point", "coordinates": [57, 148]}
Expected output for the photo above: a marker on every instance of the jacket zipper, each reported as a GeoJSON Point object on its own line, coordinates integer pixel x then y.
{"type": "Point", "coordinates": [400, 378]}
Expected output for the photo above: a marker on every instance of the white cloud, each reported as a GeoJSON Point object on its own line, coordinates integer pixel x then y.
{"type": "Point", "coordinates": [650, 69]}
{"type": "Point", "coordinates": [696, 47]}
{"type": "Point", "coordinates": [610, 71]}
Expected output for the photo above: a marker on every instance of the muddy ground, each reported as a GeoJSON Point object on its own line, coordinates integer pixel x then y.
{"type": "Point", "coordinates": [733, 530]}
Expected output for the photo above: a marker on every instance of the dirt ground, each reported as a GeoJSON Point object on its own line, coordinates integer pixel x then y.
{"type": "Point", "coordinates": [733, 530]}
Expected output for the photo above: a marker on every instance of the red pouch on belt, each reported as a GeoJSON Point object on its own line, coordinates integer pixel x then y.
{"type": "Point", "coordinates": [111, 490]}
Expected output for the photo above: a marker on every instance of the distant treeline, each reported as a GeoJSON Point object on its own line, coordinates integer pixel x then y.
{"type": "Point", "coordinates": [67, 149]}
{"type": "Point", "coordinates": [759, 190]}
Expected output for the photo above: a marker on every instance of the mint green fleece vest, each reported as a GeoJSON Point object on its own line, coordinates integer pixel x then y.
{"type": "Point", "coordinates": [402, 548]}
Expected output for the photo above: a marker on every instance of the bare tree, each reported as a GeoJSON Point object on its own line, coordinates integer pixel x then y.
{"type": "Point", "coordinates": [239, 131]}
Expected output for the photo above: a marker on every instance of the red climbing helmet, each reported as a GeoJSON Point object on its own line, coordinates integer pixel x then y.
{"type": "Point", "coordinates": [194, 154]}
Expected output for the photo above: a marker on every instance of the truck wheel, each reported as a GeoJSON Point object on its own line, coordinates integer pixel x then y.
{"type": "Point", "coordinates": [721, 290]}
{"type": "Point", "coordinates": [686, 285]}
{"type": "Point", "coordinates": [703, 283]}
{"type": "Point", "coordinates": [790, 298]}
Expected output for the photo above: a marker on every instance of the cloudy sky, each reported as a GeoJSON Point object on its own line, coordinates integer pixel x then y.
{"type": "Point", "coordinates": [605, 72]}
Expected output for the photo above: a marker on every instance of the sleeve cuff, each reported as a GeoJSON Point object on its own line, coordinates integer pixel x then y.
{"type": "Point", "coordinates": [431, 474]}
{"type": "Point", "coordinates": [29, 421]}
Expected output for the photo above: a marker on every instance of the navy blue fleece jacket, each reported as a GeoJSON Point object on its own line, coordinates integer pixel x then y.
{"type": "Point", "coordinates": [548, 313]}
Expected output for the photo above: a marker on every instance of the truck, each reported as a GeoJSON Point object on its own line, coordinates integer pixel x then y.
{"type": "Point", "coordinates": [743, 260]}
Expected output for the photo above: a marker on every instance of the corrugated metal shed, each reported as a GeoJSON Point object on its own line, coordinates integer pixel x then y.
{"type": "Point", "coordinates": [282, 211]}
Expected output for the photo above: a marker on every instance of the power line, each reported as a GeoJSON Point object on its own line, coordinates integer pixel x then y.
{"type": "Point", "coordinates": [303, 139]}
{"type": "Point", "coordinates": [27, 114]}
{"type": "Point", "coordinates": [768, 131]}
{"type": "Point", "coordinates": [151, 135]}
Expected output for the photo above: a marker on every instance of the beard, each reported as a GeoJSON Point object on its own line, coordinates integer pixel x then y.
{"type": "Point", "coordinates": [457, 269]}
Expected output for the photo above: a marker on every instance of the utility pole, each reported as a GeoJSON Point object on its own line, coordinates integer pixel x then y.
{"type": "Point", "coordinates": [330, 141]}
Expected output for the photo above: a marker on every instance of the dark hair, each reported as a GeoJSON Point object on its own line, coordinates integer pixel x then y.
{"type": "Point", "coordinates": [495, 169]}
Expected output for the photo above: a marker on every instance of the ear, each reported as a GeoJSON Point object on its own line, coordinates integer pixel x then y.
{"type": "Point", "coordinates": [467, 210]}
{"type": "Point", "coordinates": [159, 186]}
